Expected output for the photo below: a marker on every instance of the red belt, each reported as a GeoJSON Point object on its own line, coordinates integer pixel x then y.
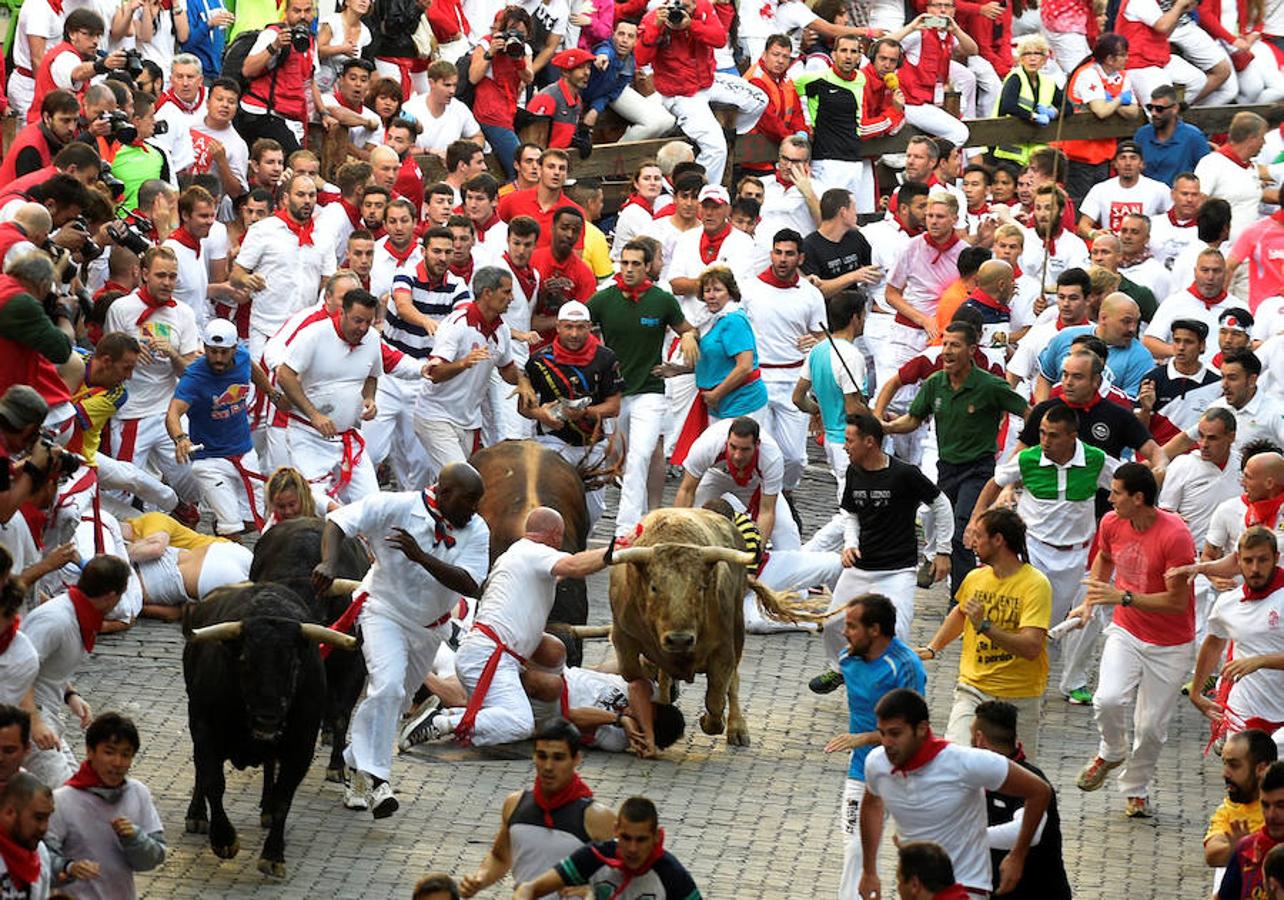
{"type": "Point", "coordinates": [464, 730]}
{"type": "Point", "coordinates": [354, 447]}
{"type": "Point", "coordinates": [788, 365]}
{"type": "Point", "coordinates": [246, 475]}
{"type": "Point", "coordinates": [23, 70]}
{"type": "Point", "coordinates": [349, 618]}
{"type": "Point", "coordinates": [901, 319]}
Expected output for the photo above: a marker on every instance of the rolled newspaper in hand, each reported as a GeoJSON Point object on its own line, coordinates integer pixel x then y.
{"type": "Point", "coordinates": [1060, 630]}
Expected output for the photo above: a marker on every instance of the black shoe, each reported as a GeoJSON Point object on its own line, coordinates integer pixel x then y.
{"type": "Point", "coordinates": [826, 683]}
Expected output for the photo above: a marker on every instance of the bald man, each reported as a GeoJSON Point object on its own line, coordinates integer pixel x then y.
{"type": "Point", "coordinates": [25, 233]}
{"type": "Point", "coordinates": [384, 165]}
{"type": "Point", "coordinates": [510, 621]}
{"type": "Point", "coordinates": [1128, 361]}
{"type": "Point", "coordinates": [1262, 503]}
{"type": "Point", "coordinates": [991, 298]}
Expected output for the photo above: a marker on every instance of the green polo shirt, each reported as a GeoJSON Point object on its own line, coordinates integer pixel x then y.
{"type": "Point", "coordinates": [635, 331]}
{"type": "Point", "coordinates": [967, 420]}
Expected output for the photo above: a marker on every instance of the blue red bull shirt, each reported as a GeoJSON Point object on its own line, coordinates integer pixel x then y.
{"type": "Point", "coordinates": [218, 406]}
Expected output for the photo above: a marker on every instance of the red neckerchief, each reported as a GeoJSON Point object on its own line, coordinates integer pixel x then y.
{"type": "Point", "coordinates": [465, 272]}
{"type": "Point", "coordinates": [941, 247]}
{"type": "Point", "coordinates": [629, 874]}
{"type": "Point", "coordinates": [343, 101]}
{"type": "Point", "coordinates": [302, 231]}
{"type": "Point", "coordinates": [151, 305]}
{"type": "Point", "coordinates": [851, 77]}
{"type": "Point", "coordinates": [421, 274]}
{"type": "Point", "coordinates": [636, 199]}
{"type": "Point", "coordinates": [23, 865]}
{"type": "Point", "coordinates": [739, 476]}
{"type": "Point", "coordinates": [985, 208]}
{"type": "Point", "coordinates": [6, 636]}
{"type": "Point", "coordinates": [338, 329]}
{"type": "Point", "coordinates": [1016, 272]}
{"type": "Point", "coordinates": [354, 214]}
{"type": "Point", "coordinates": [185, 237]}
{"type": "Point", "coordinates": [171, 97]}
{"type": "Point", "coordinates": [85, 778]}
{"type": "Point", "coordinates": [582, 357]}
{"type": "Point", "coordinates": [483, 227]}
{"type": "Point", "coordinates": [473, 316]}
{"type": "Point", "coordinates": [1228, 151]}
{"type": "Point", "coordinates": [927, 751]}
{"type": "Point", "coordinates": [575, 790]}
{"type": "Point", "coordinates": [1179, 223]}
{"type": "Point", "coordinates": [87, 616]}
{"type": "Point", "coordinates": [441, 527]}
{"type": "Point", "coordinates": [397, 256]}
{"type": "Point", "coordinates": [1208, 304]}
{"type": "Point", "coordinates": [784, 180]}
{"type": "Point", "coordinates": [1262, 512]}
{"type": "Point", "coordinates": [632, 294]}
{"type": "Point", "coordinates": [953, 892]}
{"type": "Point", "coordinates": [904, 230]}
{"type": "Point", "coordinates": [710, 247]}
{"type": "Point", "coordinates": [985, 299]}
{"type": "Point", "coordinates": [56, 6]}
{"type": "Point", "coordinates": [766, 276]}
{"type": "Point", "coordinates": [1277, 582]}
{"type": "Point", "coordinates": [525, 276]}
{"type": "Point", "coordinates": [1096, 398]}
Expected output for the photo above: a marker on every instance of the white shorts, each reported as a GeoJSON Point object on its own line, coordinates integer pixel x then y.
{"type": "Point", "coordinates": [225, 563]}
{"type": "Point", "coordinates": [162, 581]}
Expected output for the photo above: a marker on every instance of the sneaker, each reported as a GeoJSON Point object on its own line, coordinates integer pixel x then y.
{"type": "Point", "coordinates": [423, 727]}
{"type": "Point", "coordinates": [1094, 773]}
{"type": "Point", "coordinates": [1138, 808]}
{"type": "Point", "coordinates": [355, 790]}
{"type": "Point", "coordinates": [826, 682]}
{"type": "Point", "coordinates": [382, 802]}
{"type": "Point", "coordinates": [187, 514]}
{"type": "Point", "coordinates": [1080, 696]}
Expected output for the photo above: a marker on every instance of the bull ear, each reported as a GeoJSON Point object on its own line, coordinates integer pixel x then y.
{"type": "Point", "coordinates": [632, 555]}
{"type": "Point", "coordinates": [223, 631]}
{"type": "Point", "coordinates": [323, 635]}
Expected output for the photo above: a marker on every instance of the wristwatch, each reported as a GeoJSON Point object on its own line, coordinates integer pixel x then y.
{"type": "Point", "coordinates": [985, 626]}
{"type": "Point", "coordinates": [1127, 599]}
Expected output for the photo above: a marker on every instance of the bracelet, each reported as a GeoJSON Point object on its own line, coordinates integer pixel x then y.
{"type": "Point", "coordinates": [68, 694]}
{"type": "Point", "coordinates": [181, 436]}
{"type": "Point", "coordinates": [930, 649]}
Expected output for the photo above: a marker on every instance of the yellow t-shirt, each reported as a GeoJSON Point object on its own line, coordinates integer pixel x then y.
{"type": "Point", "coordinates": [94, 408]}
{"type": "Point", "coordinates": [1229, 811]}
{"type": "Point", "coordinates": [180, 536]}
{"type": "Point", "coordinates": [597, 253]}
{"type": "Point", "coordinates": [1022, 600]}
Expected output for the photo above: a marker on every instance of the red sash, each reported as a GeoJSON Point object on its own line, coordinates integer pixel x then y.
{"type": "Point", "coordinates": [464, 730]}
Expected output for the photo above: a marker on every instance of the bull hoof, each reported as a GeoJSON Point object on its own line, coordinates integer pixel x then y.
{"type": "Point", "coordinates": [712, 724]}
{"type": "Point", "coordinates": [265, 820]}
{"type": "Point", "coordinates": [226, 851]}
{"type": "Point", "coordinates": [334, 776]}
{"type": "Point", "coordinates": [271, 867]}
{"type": "Point", "coordinates": [326, 741]}
{"type": "Point", "coordinates": [738, 737]}
{"type": "Point", "coordinates": [197, 826]}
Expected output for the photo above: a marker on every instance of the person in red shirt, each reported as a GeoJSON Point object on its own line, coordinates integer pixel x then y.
{"type": "Point", "coordinates": [499, 75]}
{"type": "Point", "coordinates": [563, 275]}
{"type": "Point", "coordinates": [561, 101]}
{"type": "Point", "coordinates": [784, 113]}
{"type": "Point", "coordinates": [69, 65]}
{"type": "Point", "coordinates": [541, 201]}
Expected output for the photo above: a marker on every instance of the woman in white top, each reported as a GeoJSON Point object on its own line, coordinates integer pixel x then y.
{"type": "Point", "coordinates": [341, 37]}
{"type": "Point", "coordinates": [638, 212]}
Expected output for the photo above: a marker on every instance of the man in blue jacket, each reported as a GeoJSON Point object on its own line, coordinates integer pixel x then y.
{"type": "Point", "coordinates": [611, 84]}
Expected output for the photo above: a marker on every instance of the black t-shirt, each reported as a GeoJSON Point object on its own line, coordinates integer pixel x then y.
{"type": "Point", "coordinates": [1044, 877]}
{"type": "Point", "coordinates": [886, 502]}
{"type": "Point", "coordinates": [829, 260]}
{"type": "Point", "coordinates": [597, 380]}
{"type": "Point", "coordinates": [1106, 425]}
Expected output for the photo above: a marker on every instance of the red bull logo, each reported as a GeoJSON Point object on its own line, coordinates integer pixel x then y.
{"type": "Point", "coordinates": [230, 401]}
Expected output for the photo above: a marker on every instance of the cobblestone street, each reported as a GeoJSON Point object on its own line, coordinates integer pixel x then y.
{"type": "Point", "coordinates": [754, 822]}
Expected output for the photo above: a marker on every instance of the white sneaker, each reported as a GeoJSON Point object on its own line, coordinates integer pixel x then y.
{"type": "Point", "coordinates": [423, 727]}
{"type": "Point", "coordinates": [355, 790]}
{"type": "Point", "coordinates": [382, 802]}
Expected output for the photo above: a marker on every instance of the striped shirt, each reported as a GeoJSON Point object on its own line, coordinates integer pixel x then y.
{"type": "Point", "coordinates": [1057, 503]}
{"type": "Point", "coordinates": [433, 300]}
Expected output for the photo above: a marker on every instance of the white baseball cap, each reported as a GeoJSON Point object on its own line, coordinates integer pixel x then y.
{"type": "Point", "coordinates": [573, 311]}
{"type": "Point", "coordinates": [715, 192]}
{"type": "Point", "coordinates": [220, 333]}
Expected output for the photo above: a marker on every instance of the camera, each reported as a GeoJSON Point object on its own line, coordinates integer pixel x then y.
{"type": "Point", "coordinates": [514, 44]}
{"type": "Point", "coordinates": [300, 38]}
{"type": "Point", "coordinates": [674, 12]}
{"type": "Point", "coordinates": [64, 463]}
{"type": "Point", "coordinates": [133, 66]}
{"type": "Point", "coordinates": [131, 233]}
{"type": "Point", "coordinates": [113, 184]}
{"type": "Point", "coordinates": [161, 127]}
{"type": "Point", "coordinates": [89, 250]}
{"type": "Point", "coordinates": [122, 130]}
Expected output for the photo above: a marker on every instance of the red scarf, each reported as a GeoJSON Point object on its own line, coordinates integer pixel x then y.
{"type": "Point", "coordinates": [1229, 152]}
{"type": "Point", "coordinates": [23, 865]}
{"type": "Point", "coordinates": [985, 299]}
{"type": "Point", "coordinates": [1276, 582]}
{"type": "Point", "coordinates": [1208, 304]}
{"type": "Point", "coordinates": [1096, 398]}
{"type": "Point", "coordinates": [1179, 223]}
{"type": "Point", "coordinates": [301, 230]}
{"type": "Point", "coordinates": [636, 199]}
{"type": "Point", "coordinates": [582, 357]}
{"type": "Point", "coordinates": [785, 181]}
{"type": "Point", "coordinates": [483, 227]}
{"type": "Point", "coordinates": [985, 208]}
{"type": "Point", "coordinates": [398, 256]}
{"type": "Point", "coordinates": [710, 246]}
{"type": "Point", "coordinates": [441, 527]}
{"type": "Point", "coordinates": [87, 616]}
{"type": "Point", "coordinates": [85, 778]}
{"type": "Point", "coordinates": [151, 305]}
{"type": "Point", "coordinates": [473, 316]}
{"type": "Point", "coordinates": [6, 636]}
{"type": "Point", "coordinates": [525, 276]}
{"type": "Point", "coordinates": [926, 752]}
{"type": "Point", "coordinates": [941, 247]}
{"type": "Point", "coordinates": [629, 874]}
{"type": "Point", "coordinates": [739, 476]}
{"type": "Point", "coordinates": [465, 271]}
{"type": "Point", "coordinates": [338, 329]}
{"type": "Point", "coordinates": [575, 790]}
{"type": "Point", "coordinates": [1262, 512]}
{"type": "Point", "coordinates": [171, 97]}
{"type": "Point", "coordinates": [769, 277]}
{"type": "Point", "coordinates": [354, 214]}
{"type": "Point", "coordinates": [355, 107]}
{"type": "Point", "coordinates": [851, 77]}
{"type": "Point", "coordinates": [185, 237]}
{"type": "Point", "coordinates": [634, 294]}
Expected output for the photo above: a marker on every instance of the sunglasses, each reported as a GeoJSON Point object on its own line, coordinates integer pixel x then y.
{"type": "Point", "coordinates": [1155, 107]}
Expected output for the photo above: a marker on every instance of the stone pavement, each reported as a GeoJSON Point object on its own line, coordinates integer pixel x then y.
{"type": "Point", "coordinates": [754, 822]}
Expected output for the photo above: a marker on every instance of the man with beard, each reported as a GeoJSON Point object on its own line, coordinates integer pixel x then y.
{"type": "Point", "coordinates": [26, 872]}
{"type": "Point", "coordinates": [1245, 758]}
{"type": "Point", "coordinates": [1244, 879]}
{"type": "Point", "coordinates": [38, 143]}
{"type": "Point", "coordinates": [1051, 248]}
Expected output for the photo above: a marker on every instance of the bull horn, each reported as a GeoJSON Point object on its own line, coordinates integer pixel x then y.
{"type": "Point", "coordinates": [726, 555]}
{"type": "Point", "coordinates": [341, 586]}
{"type": "Point", "coordinates": [223, 631]}
{"type": "Point", "coordinates": [323, 635]}
{"type": "Point", "coordinates": [590, 631]}
{"type": "Point", "coordinates": [632, 555]}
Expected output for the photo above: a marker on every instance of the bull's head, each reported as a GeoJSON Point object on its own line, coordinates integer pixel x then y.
{"type": "Point", "coordinates": [678, 579]}
{"type": "Point", "coordinates": [267, 671]}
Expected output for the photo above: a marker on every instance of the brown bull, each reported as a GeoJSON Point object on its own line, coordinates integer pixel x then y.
{"type": "Point", "coordinates": [676, 601]}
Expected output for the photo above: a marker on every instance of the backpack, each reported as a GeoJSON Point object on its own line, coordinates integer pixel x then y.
{"type": "Point", "coordinates": [465, 91]}
{"type": "Point", "coordinates": [234, 57]}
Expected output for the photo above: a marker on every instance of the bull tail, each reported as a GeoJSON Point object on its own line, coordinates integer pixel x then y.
{"type": "Point", "coordinates": [783, 607]}
{"type": "Point", "coordinates": [609, 470]}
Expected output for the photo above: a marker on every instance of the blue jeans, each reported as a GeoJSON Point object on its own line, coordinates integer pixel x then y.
{"type": "Point", "coordinates": [503, 143]}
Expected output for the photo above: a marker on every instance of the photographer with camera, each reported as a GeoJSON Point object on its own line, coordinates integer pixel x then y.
{"type": "Point", "coordinates": [26, 233]}
{"type": "Point", "coordinates": [69, 66]}
{"type": "Point", "coordinates": [26, 462]}
{"type": "Point", "coordinates": [38, 143]}
{"type": "Point", "coordinates": [500, 67]}
{"type": "Point", "coordinates": [33, 350]}
{"type": "Point", "coordinates": [134, 159]}
{"type": "Point", "coordinates": [76, 160]}
{"type": "Point", "coordinates": [280, 71]}
{"type": "Point", "coordinates": [677, 40]}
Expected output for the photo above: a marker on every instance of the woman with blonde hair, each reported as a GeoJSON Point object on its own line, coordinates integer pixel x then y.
{"type": "Point", "coordinates": [289, 496]}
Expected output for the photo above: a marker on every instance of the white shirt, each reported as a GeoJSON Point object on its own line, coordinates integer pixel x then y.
{"type": "Point", "coordinates": [234, 147]}
{"type": "Point", "coordinates": [385, 268]}
{"type": "Point", "coordinates": [1268, 321]}
{"type": "Point", "coordinates": [1256, 629]}
{"type": "Point", "coordinates": [780, 316]}
{"type": "Point", "coordinates": [781, 208]}
{"type": "Point", "coordinates": [332, 372]}
{"type": "Point", "coordinates": [19, 666]}
{"type": "Point", "coordinates": [887, 242]}
{"type": "Point", "coordinates": [152, 384]}
{"type": "Point", "coordinates": [631, 221]}
{"type": "Point", "coordinates": [1194, 488]}
{"type": "Point", "coordinates": [703, 464]}
{"type": "Point", "coordinates": [331, 230]}
{"type": "Point", "coordinates": [177, 141]}
{"type": "Point", "coordinates": [1109, 201]}
{"type": "Point", "coordinates": [54, 632]}
{"type": "Point", "coordinates": [1067, 252]}
{"type": "Point", "coordinates": [455, 123]}
{"type": "Point", "coordinates": [1220, 177]}
{"type": "Point", "coordinates": [518, 315]}
{"type": "Point", "coordinates": [736, 253]}
{"type": "Point", "coordinates": [519, 594]}
{"type": "Point", "coordinates": [193, 280]}
{"type": "Point", "coordinates": [1226, 524]}
{"type": "Point", "coordinates": [1260, 418]}
{"type": "Point", "coordinates": [1185, 305]}
{"type": "Point", "coordinates": [1168, 240]}
{"type": "Point", "coordinates": [1151, 273]}
{"type": "Point", "coordinates": [456, 400]}
{"type": "Point", "coordinates": [1057, 521]}
{"type": "Point", "coordinates": [293, 272]}
{"type": "Point", "coordinates": [274, 351]}
{"type": "Point", "coordinates": [943, 802]}
{"type": "Point", "coordinates": [400, 589]}
{"type": "Point", "coordinates": [664, 231]}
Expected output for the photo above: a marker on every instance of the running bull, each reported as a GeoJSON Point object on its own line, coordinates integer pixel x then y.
{"type": "Point", "coordinates": [676, 603]}
{"type": "Point", "coordinates": [255, 696]}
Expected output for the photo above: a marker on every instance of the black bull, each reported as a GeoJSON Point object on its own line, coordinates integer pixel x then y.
{"type": "Point", "coordinates": [255, 696]}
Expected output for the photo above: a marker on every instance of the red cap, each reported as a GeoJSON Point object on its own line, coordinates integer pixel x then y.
{"type": "Point", "coordinates": [571, 59]}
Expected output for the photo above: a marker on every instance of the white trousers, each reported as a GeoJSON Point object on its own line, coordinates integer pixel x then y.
{"type": "Point", "coordinates": [418, 80]}
{"type": "Point", "coordinates": [642, 421]}
{"type": "Point", "coordinates": [648, 115]}
{"type": "Point", "coordinates": [391, 435]}
{"type": "Point", "coordinates": [114, 475]}
{"type": "Point", "coordinates": [1178, 71]}
{"type": "Point", "coordinates": [52, 767]}
{"type": "Point", "coordinates": [697, 121]}
{"type": "Point", "coordinates": [445, 442]}
{"type": "Point", "coordinates": [854, 176]}
{"type": "Point", "coordinates": [897, 585]}
{"type": "Point", "coordinates": [22, 90]}
{"type": "Point", "coordinates": [787, 424]}
{"type": "Point", "coordinates": [398, 659]}
{"type": "Point", "coordinates": [849, 827]}
{"type": "Point", "coordinates": [988, 85]}
{"type": "Point", "coordinates": [1262, 81]}
{"type": "Point", "coordinates": [318, 458]}
{"type": "Point", "coordinates": [1149, 677]}
{"type": "Point", "coordinates": [963, 713]}
{"type": "Point", "coordinates": [1201, 51]}
{"type": "Point", "coordinates": [145, 442]}
{"type": "Point", "coordinates": [937, 122]}
{"type": "Point", "coordinates": [502, 421]}
{"type": "Point", "coordinates": [791, 570]}
{"type": "Point", "coordinates": [1064, 568]}
{"type": "Point", "coordinates": [226, 492]}
{"type": "Point", "coordinates": [505, 715]}
{"type": "Point", "coordinates": [1077, 648]}
{"type": "Point", "coordinates": [1069, 48]}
